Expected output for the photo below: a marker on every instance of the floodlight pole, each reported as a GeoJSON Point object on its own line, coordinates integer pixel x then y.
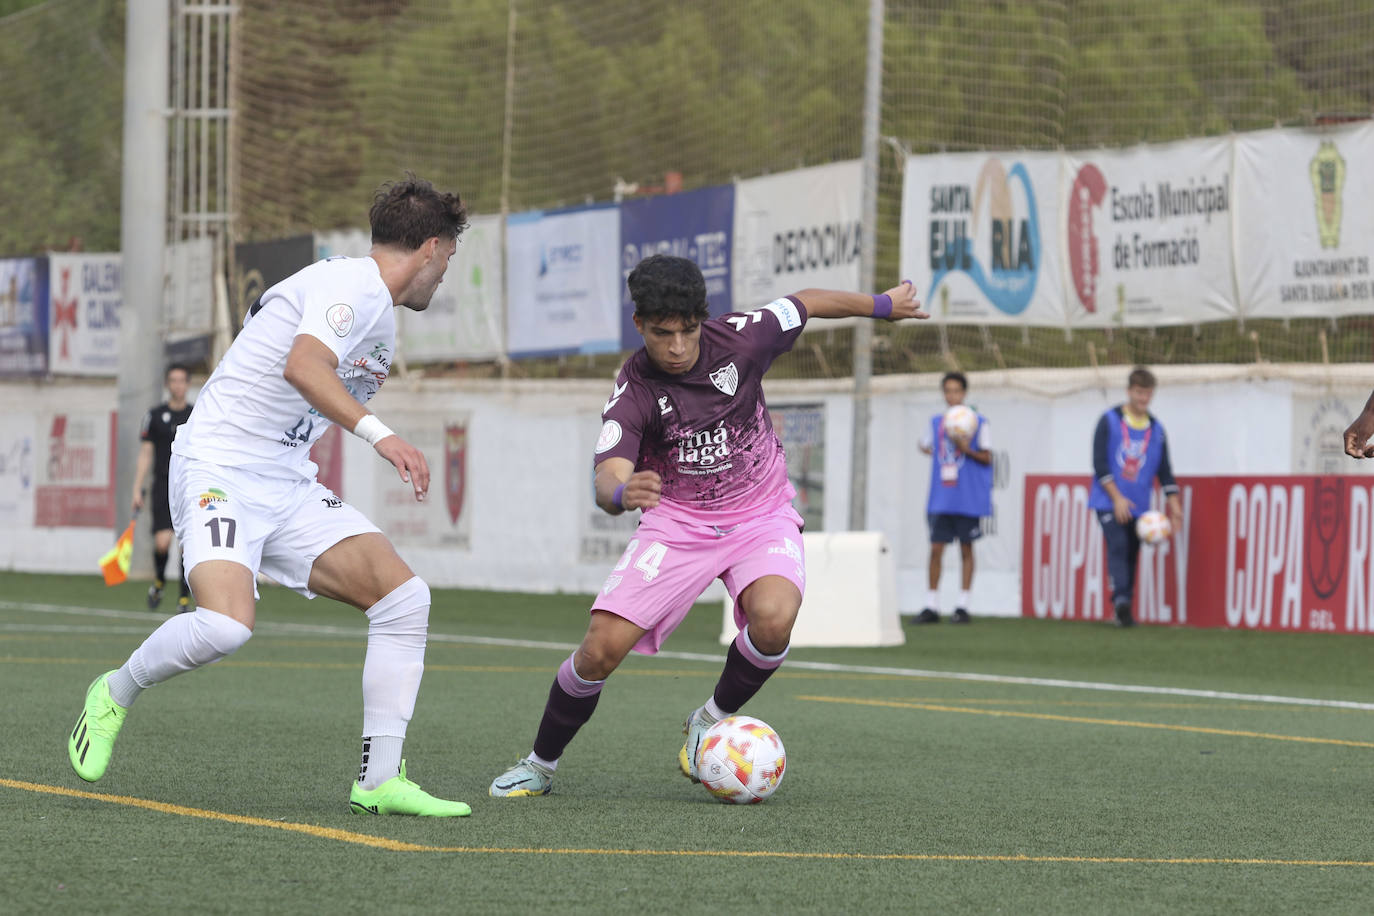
{"type": "Point", "coordinates": [863, 330]}
{"type": "Point", "coordinates": [142, 241]}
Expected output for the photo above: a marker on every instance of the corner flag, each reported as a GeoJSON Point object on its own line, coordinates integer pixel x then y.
{"type": "Point", "coordinates": [115, 564]}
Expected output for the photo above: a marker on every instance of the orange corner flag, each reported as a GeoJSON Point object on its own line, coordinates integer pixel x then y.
{"type": "Point", "coordinates": [115, 564]}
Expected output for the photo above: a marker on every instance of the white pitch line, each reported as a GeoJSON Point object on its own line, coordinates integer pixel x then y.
{"type": "Point", "coordinates": [359, 633]}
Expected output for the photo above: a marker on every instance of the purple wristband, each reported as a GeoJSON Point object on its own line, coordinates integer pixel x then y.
{"type": "Point", "coordinates": [618, 497]}
{"type": "Point", "coordinates": [882, 306]}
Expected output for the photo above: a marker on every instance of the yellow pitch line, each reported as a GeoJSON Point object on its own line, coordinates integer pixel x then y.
{"type": "Point", "coordinates": [324, 833]}
{"type": "Point", "coordinates": [1084, 720]}
{"type": "Point", "coordinates": [364, 839]}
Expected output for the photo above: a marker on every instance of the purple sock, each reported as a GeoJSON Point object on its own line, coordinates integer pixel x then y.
{"type": "Point", "coordinates": [746, 668]}
{"type": "Point", "coordinates": [572, 701]}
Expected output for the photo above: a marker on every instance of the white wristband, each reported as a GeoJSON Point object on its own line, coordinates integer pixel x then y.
{"type": "Point", "coordinates": [371, 430]}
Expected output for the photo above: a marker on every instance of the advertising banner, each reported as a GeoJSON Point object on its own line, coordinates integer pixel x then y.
{"type": "Point", "coordinates": [801, 427]}
{"type": "Point", "coordinates": [694, 224]}
{"type": "Point", "coordinates": [464, 318]}
{"type": "Point", "coordinates": [1303, 222]}
{"type": "Point", "coordinates": [83, 332]}
{"type": "Point", "coordinates": [1289, 553]}
{"type": "Point", "coordinates": [562, 286]}
{"type": "Point", "coordinates": [17, 472]}
{"type": "Point", "coordinates": [979, 237]}
{"type": "Point", "coordinates": [74, 470]}
{"type": "Point", "coordinates": [797, 230]}
{"type": "Point", "coordinates": [23, 316]}
{"type": "Point", "coordinates": [444, 519]}
{"type": "Point", "coordinates": [260, 265]}
{"type": "Point", "coordinates": [1148, 234]}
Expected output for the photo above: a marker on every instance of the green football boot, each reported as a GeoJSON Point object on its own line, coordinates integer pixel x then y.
{"type": "Point", "coordinates": [92, 739]}
{"type": "Point", "coordinates": [399, 795]}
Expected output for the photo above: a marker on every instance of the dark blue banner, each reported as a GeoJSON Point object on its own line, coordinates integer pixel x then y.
{"type": "Point", "coordinates": [23, 316]}
{"type": "Point", "coordinates": [695, 224]}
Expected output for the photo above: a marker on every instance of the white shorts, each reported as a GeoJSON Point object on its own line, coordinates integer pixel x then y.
{"type": "Point", "coordinates": [273, 525]}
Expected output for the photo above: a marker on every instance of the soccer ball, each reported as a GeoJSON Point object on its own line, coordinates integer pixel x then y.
{"type": "Point", "coordinates": [741, 760]}
{"type": "Point", "coordinates": [961, 422]}
{"type": "Point", "coordinates": [1153, 527]}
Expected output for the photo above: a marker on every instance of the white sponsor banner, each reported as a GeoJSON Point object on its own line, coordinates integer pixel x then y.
{"type": "Point", "coordinates": [563, 282]}
{"type": "Point", "coordinates": [1304, 224]}
{"type": "Point", "coordinates": [797, 230]}
{"type": "Point", "coordinates": [18, 470]}
{"type": "Point", "coordinates": [980, 237]}
{"type": "Point", "coordinates": [83, 334]}
{"type": "Point", "coordinates": [463, 320]}
{"type": "Point", "coordinates": [1147, 234]}
{"type": "Point", "coordinates": [443, 519]}
{"type": "Point", "coordinates": [189, 291]}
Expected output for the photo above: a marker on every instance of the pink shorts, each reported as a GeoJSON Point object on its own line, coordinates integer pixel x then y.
{"type": "Point", "coordinates": [668, 564]}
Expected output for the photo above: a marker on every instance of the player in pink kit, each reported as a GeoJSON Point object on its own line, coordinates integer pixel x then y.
{"type": "Point", "coordinates": [686, 437]}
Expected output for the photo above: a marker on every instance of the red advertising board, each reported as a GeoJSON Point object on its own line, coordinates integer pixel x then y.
{"type": "Point", "coordinates": [1290, 553]}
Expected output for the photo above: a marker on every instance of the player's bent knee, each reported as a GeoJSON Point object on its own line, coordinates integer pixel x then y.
{"type": "Point", "coordinates": [217, 635]}
{"type": "Point", "coordinates": [594, 663]}
{"type": "Point", "coordinates": [405, 609]}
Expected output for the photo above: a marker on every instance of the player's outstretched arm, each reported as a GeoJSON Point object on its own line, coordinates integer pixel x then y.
{"type": "Point", "coordinates": [619, 486]}
{"type": "Point", "coordinates": [311, 370]}
{"type": "Point", "coordinates": [894, 305]}
{"type": "Point", "coordinates": [1358, 434]}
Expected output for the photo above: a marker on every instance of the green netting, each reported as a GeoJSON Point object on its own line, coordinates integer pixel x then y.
{"type": "Point", "coordinates": [542, 103]}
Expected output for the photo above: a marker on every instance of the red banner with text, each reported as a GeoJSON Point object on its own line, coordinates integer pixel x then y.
{"type": "Point", "coordinates": [1254, 553]}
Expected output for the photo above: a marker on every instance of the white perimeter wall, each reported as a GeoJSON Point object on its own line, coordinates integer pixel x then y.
{"type": "Point", "coordinates": [527, 522]}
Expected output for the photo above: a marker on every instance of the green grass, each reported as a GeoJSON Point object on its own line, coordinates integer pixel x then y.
{"type": "Point", "coordinates": [948, 779]}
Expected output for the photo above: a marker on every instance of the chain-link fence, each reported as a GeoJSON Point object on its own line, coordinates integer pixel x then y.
{"type": "Point", "coordinates": [527, 104]}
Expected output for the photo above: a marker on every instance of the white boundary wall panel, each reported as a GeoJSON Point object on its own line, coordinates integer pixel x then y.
{"type": "Point", "coordinates": [526, 514]}
{"type": "Point", "coordinates": [851, 593]}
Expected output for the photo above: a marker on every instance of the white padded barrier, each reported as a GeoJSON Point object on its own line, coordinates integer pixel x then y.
{"type": "Point", "coordinates": [851, 593]}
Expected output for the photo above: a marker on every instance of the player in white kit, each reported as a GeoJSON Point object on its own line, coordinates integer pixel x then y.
{"type": "Point", "coordinates": [313, 350]}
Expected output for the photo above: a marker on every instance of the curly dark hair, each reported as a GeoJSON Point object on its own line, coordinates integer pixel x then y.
{"type": "Point", "coordinates": [664, 286]}
{"type": "Point", "coordinates": [410, 211]}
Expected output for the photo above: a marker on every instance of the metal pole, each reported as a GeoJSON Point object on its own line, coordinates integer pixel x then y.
{"type": "Point", "coordinates": [863, 330]}
{"type": "Point", "coordinates": [507, 137]}
{"type": "Point", "coordinates": [142, 240]}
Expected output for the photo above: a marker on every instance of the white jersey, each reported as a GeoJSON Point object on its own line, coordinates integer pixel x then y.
{"type": "Point", "coordinates": [248, 415]}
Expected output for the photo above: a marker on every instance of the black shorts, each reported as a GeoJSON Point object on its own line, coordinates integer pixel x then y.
{"type": "Point", "coordinates": [160, 505]}
{"type": "Point", "coordinates": [945, 528]}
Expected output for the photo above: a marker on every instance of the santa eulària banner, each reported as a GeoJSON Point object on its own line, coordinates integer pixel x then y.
{"type": "Point", "coordinates": [1289, 553]}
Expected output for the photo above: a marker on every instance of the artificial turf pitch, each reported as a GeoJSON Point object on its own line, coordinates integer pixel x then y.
{"type": "Point", "coordinates": [228, 791]}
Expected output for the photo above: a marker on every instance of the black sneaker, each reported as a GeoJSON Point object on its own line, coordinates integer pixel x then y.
{"type": "Point", "coordinates": [928, 615]}
{"type": "Point", "coordinates": [960, 616]}
{"type": "Point", "coordinates": [1123, 615]}
{"type": "Point", "coordinates": [154, 595]}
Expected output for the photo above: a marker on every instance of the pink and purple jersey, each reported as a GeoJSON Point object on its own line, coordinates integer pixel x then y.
{"type": "Point", "coordinates": [707, 432]}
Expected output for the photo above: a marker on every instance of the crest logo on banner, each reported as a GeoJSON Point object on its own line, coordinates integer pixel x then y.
{"type": "Point", "coordinates": [455, 468]}
{"type": "Point", "coordinates": [1013, 234]}
{"type": "Point", "coordinates": [1085, 265]}
{"type": "Point", "coordinates": [1327, 536]}
{"type": "Point", "coordinates": [64, 313]}
{"type": "Point", "coordinates": [1328, 179]}
{"type": "Point", "coordinates": [726, 379]}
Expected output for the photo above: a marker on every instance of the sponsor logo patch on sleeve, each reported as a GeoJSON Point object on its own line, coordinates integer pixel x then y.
{"type": "Point", "coordinates": [340, 318]}
{"type": "Point", "coordinates": [610, 435]}
{"type": "Point", "coordinates": [786, 311]}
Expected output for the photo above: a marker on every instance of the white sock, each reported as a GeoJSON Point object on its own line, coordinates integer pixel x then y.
{"type": "Point", "coordinates": [549, 764]}
{"type": "Point", "coordinates": [392, 669]}
{"type": "Point", "coordinates": [713, 712]}
{"type": "Point", "coordinates": [182, 643]}
{"type": "Point", "coordinates": [963, 599]}
{"type": "Point", "coordinates": [933, 599]}
{"type": "Point", "coordinates": [381, 760]}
